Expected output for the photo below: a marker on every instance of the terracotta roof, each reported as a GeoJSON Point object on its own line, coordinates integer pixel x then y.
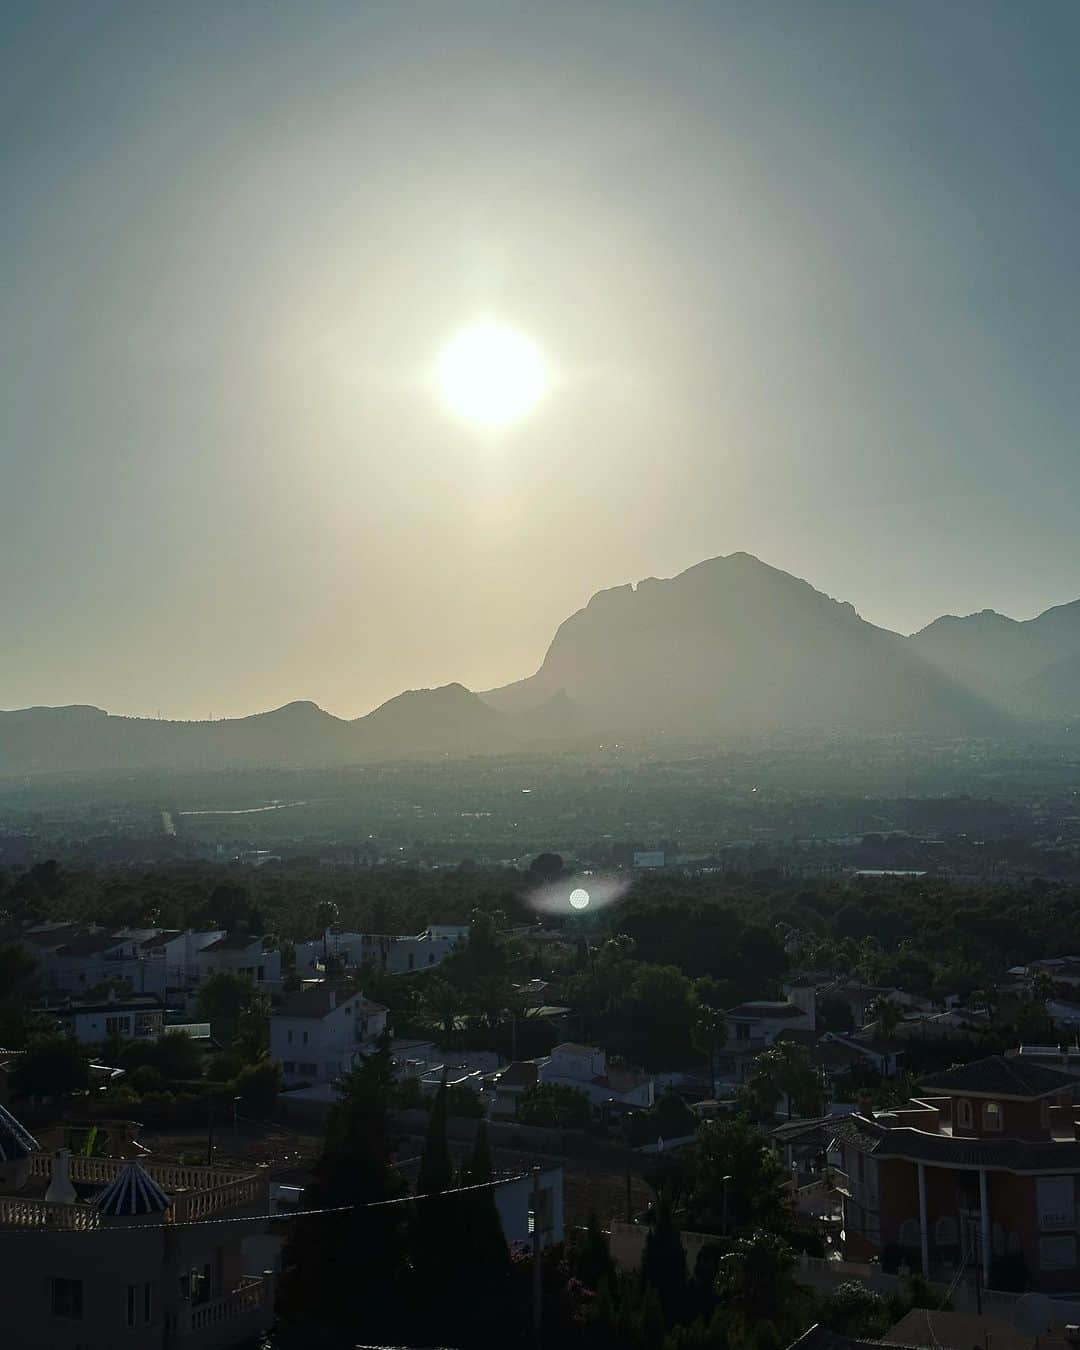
{"type": "Point", "coordinates": [996, 1076]}
{"type": "Point", "coordinates": [1009, 1155]}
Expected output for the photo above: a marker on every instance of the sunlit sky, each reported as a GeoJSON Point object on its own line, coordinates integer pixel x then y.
{"type": "Point", "coordinates": [804, 277]}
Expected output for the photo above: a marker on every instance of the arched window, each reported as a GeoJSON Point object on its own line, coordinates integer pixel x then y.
{"type": "Point", "coordinates": [945, 1233]}
{"type": "Point", "coordinates": [991, 1115]}
{"type": "Point", "coordinates": [963, 1113]}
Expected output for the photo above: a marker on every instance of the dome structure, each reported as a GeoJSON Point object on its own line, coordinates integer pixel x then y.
{"type": "Point", "coordinates": [133, 1191]}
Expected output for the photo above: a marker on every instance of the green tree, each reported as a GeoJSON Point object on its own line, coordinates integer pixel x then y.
{"type": "Point", "coordinates": [328, 1298]}
{"type": "Point", "coordinates": [441, 1005]}
{"type": "Point", "coordinates": [753, 1194]}
{"type": "Point", "coordinates": [663, 1263]}
{"type": "Point", "coordinates": [556, 1105]}
{"type": "Point", "coordinates": [257, 1086]}
{"type": "Point", "coordinates": [757, 1285]}
{"type": "Point", "coordinates": [709, 1037]}
{"type": "Point", "coordinates": [19, 981]}
{"type": "Point", "coordinates": [886, 1015]}
{"type": "Point", "coordinates": [659, 1011]}
{"type": "Point", "coordinates": [51, 1066]}
{"type": "Point", "coordinates": [593, 1265]}
{"type": "Point", "coordinates": [221, 1000]}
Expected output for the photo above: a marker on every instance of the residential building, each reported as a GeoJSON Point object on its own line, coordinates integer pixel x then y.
{"type": "Point", "coordinates": [524, 1201]}
{"type": "Point", "coordinates": [102, 1252]}
{"type": "Point", "coordinates": [983, 1165]}
{"type": "Point", "coordinates": [318, 1034]}
{"type": "Point", "coordinates": [138, 1017]}
{"type": "Point", "coordinates": [395, 953]}
{"type": "Point", "coordinates": [74, 959]}
{"type": "Point", "coordinates": [240, 954]}
{"type": "Point", "coordinates": [755, 1025]}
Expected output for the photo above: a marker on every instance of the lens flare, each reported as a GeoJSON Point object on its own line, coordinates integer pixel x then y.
{"type": "Point", "coordinates": [579, 898]}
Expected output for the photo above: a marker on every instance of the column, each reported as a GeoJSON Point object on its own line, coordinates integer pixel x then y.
{"type": "Point", "coordinates": [984, 1208]}
{"type": "Point", "coordinates": [924, 1230]}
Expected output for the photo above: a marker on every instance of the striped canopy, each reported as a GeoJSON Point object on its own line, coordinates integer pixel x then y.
{"type": "Point", "coordinates": [16, 1141]}
{"type": "Point", "coordinates": [133, 1191]}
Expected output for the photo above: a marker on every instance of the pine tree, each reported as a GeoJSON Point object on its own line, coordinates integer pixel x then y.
{"type": "Point", "coordinates": [342, 1272]}
{"type": "Point", "coordinates": [663, 1263]}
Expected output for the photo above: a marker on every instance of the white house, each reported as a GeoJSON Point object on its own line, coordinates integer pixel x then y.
{"type": "Point", "coordinates": [395, 953]}
{"type": "Point", "coordinates": [241, 954]}
{"type": "Point", "coordinates": [758, 1023]}
{"type": "Point", "coordinates": [140, 1017]}
{"type": "Point", "coordinates": [319, 1034]}
{"type": "Point", "coordinates": [585, 1067]}
{"type": "Point", "coordinates": [522, 1198]}
{"type": "Point", "coordinates": [74, 960]}
{"type": "Point", "coordinates": [178, 953]}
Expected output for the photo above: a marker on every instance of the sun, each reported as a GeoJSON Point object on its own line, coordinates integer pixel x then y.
{"type": "Point", "coordinates": [491, 374]}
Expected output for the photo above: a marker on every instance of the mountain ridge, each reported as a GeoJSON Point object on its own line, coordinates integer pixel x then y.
{"type": "Point", "coordinates": [730, 644]}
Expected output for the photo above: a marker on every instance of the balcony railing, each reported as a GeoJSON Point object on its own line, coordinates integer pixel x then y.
{"type": "Point", "coordinates": [252, 1299]}
{"type": "Point", "coordinates": [196, 1192]}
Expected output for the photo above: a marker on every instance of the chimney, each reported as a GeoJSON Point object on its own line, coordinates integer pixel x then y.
{"type": "Point", "coordinates": [61, 1191]}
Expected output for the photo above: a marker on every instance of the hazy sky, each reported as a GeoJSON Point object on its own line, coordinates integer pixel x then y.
{"type": "Point", "coordinates": [806, 276]}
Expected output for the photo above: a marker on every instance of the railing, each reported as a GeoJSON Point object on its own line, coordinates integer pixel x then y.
{"type": "Point", "coordinates": [248, 1297]}
{"type": "Point", "coordinates": [171, 1177]}
{"type": "Point", "coordinates": [16, 1212]}
{"type": "Point", "coordinates": [196, 1192]}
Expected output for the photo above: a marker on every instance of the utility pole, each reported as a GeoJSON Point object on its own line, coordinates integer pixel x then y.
{"type": "Point", "coordinates": [209, 1128]}
{"type": "Point", "coordinates": [537, 1274]}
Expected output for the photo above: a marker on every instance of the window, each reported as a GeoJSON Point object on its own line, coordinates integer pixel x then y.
{"type": "Point", "coordinates": [290, 1037]}
{"type": "Point", "coordinates": [742, 1031]}
{"type": "Point", "coordinates": [289, 1066]}
{"type": "Point", "coordinates": [261, 973]}
{"type": "Point", "coordinates": [1057, 1253]}
{"type": "Point", "coordinates": [147, 1304]}
{"type": "Point", "coordinates": [305, 1038]}
{"type": "Point", "coordinates": [132, 1301]}
{"type": "Point", "coordinates": [65, 1298]}
{"type": "Point", "coordinates": [992, 1116]}
{"type": "Point", "coordinates": [963, 1113]}
{"type": "Point", "coordinates": [115, 1026]}
{"type": "Point", "coordinates": [1056, 1202]}
{"type": "Point", "coordinates": [309, 1070]}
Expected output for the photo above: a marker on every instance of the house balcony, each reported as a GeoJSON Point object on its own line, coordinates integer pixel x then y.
{"type": "Point", "coordinates": [197, 1193]}
{"type": "Point", "coordinates": [226, 1321]}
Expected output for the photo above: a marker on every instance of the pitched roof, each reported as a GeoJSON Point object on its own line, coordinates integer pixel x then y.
{"type": "Point", "coordinates": [1010, 1155]}
{"type": "Point", "coordinates": [821, 1338]}
{"type": "Point", "coordinates": [767, 1010]}
{"type": "Point", "coordinates": [132, 1191]}
{"type": "Point", "coordinates": [521, 1073]}
{"type": "Point", "coordinates": [996, 1076]}
{"type": "Point", "coordinates": [233, 942]}
{"type": "Point", "coordinates": [323, 999]}
{"type": "Point", "coordinates": [16, 1141]}
{"type": "Point", "coordinates": [90, 944]}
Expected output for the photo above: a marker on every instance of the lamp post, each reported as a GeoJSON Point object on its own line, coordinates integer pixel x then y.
{"type": "Point", "coordinates": [235, 1107]}
{"type": "Point", "coordinates": [723, 1193]}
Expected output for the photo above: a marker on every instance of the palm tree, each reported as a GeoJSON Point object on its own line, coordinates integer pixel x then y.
{"type": "Point", "coordinates": [708, 1036]}
{"type": "Point", "coordinates": [441, 1004]}
{"type": "Point", "coordinates": [886, 1014]}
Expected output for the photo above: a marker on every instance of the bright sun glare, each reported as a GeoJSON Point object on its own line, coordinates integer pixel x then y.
{"type": "Point", "coordinates": [491, 374]}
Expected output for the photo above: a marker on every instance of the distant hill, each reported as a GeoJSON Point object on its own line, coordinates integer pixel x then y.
{"type": "Point", "coordinates": [735, 645]}
{"type": "Point", "coordinates": [729, 646]}
{"type": "Point", "coordinates": [1031, 667]}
